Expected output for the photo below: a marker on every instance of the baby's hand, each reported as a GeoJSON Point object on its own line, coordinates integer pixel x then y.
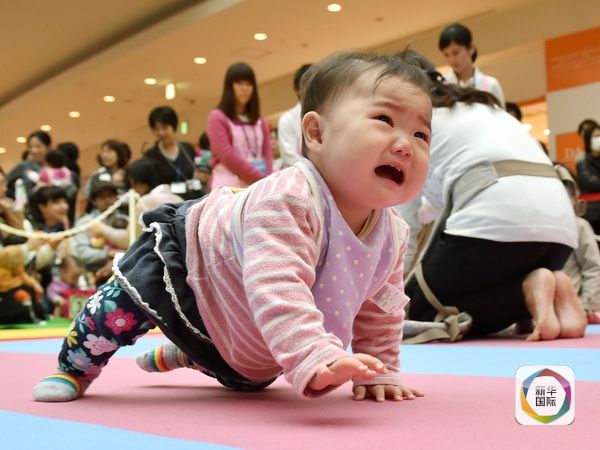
{"type": "Point", "coordinates": [380, 392]}
{"type": "Point", "coordinates": [357, 366]}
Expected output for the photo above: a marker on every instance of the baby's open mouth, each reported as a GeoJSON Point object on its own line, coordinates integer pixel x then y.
{"type": "Point", "coordinates": [391, 173]}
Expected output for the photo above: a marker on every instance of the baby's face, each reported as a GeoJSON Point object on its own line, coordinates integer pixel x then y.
{"type": "Point", "coordinates": [375, 145]}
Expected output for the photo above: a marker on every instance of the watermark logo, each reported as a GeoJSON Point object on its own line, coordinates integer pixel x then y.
{"type": "Point", "coordinates": [545, 395]}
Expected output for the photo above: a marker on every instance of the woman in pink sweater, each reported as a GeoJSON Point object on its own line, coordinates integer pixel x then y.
{"type": "Point", "coordinates": [239, 137]}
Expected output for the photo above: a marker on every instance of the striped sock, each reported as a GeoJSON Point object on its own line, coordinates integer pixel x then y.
{"type": "Point", "coordinates": [59, 387]}
{"type": "Point", "coordinates": [163, 358]}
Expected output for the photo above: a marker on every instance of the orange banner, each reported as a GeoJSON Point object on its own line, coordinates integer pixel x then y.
{"type": "Point", "coordinates": [573, 60]}
{"type": "Point", "coordinates": [569, 147]}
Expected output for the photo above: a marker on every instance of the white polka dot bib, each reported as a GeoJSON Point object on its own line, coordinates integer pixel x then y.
{"type": "Point", "coordinates": [350, 269]}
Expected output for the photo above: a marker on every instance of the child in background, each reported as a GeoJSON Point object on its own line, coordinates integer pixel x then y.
{"type": "Point", "coordinates": [282, 277]}
{"type": "Point", "coordinates": [20, 293]}
{"type": "Point", "coordinates": [583, 266]}
{"type": "Point", "coordinates": [57, 172]}
{"type": "Point", "coordinates": [69, 271]}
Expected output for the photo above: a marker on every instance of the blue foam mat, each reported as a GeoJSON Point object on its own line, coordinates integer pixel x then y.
{"type": "Point", "coordinates": [57, 434]}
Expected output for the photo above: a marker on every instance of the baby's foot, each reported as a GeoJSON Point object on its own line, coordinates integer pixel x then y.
{"type": "Point", "coordinates": [59, 387]}
{"type": "Point", "coordinates": [163, 358]}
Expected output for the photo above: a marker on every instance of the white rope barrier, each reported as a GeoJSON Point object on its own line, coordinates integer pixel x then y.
{"type": "Point", "coordinates": [131, 196]}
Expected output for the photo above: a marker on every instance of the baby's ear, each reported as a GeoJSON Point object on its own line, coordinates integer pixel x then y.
{"type": "Point", "coordinates": [311, 128]}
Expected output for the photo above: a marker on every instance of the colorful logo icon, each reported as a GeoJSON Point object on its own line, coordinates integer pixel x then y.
{"type": "Point", "coordinates": [545, 395]}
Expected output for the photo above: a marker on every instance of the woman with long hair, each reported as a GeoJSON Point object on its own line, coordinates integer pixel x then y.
{"type": "Point", "coordinates": [504, 223]}
{"type": "Point", "coordinates": [239, 136]}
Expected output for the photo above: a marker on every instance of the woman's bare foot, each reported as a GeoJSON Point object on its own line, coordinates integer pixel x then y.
{"type": "Point", "coordinates": [567, 306]}
{"type": "Point", "coordinates": [538, 289]}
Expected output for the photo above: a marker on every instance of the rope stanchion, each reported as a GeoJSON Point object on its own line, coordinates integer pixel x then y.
{"type": "Point", "coordinates": [131, 196]}
{"type": "Point", "coordinates": [132, 219]}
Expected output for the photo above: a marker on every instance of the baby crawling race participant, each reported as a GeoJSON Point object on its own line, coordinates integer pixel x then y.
{"type": "Point", "coordinates": [282, 277]}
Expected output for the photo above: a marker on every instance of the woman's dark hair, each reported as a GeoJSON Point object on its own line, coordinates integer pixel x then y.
{"type": "Point", "coordinates": [513, 108]}
{"type": "Point", "coordinates": [298, 75]}
{"type": "Point", "coordinates": [41, 195]}
{"type": "Point", "coordinates": [56, 159]}
{"type": "Point", "coordinates": [459, 34]}
{"type": "Point", "coordinates": [447, 95]}
{"type": "Point", "coordinates": [71, 151]}
{"type": "Point", "coordinates": [143, 171]}
{"type": "Point", "coordinates": [587, 137]}
{"type": "Point", "coordinates": [163, 114]}
{"type": "Point", "coordinates": [122, 149]}
{"type": "Point", "coordinates": [203, 141]}
{"type": "Point", "coordinates": [239, 72]}
{"type": "Point", "coordinates": [42, 136]}
{"type": "Point", "coordinates": [586, 124]}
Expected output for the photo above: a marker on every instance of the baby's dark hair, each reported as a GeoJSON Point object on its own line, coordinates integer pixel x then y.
{"type": "Point", "coordinates": [56, 159]}
{"type": "Point", "coordinates": [324, 82]}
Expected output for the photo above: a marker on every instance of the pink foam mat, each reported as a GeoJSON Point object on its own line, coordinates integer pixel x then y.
{"type": "Point", "coordinates": [457, 412]}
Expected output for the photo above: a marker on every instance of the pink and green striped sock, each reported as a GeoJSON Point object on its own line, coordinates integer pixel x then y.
{"type": "Point", "coordinates": [163, 358]}
{"type": "Point", "coordinates": [60, 387]}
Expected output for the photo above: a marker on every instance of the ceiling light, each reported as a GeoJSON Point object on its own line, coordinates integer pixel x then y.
{"type": "Point", "coordinates": [21, 139]}
{"type": "Point", "coordinates": [74, 114]}
{"type": "Point", "coordinates": [170, 91]}
{"type": "Point", "coordinates": [45, 128]}
{"type": "Point", "coordinates": [199, 60]}
{"type": "Point", "coordinates": [546, 132]}
{"type": "Point", "coordinates": [109, 98]}
{"type": "Point", "coordinates": [2, 150]}
{"type": "Point", "coordinates": [334, 7]}
{"type": "Point", "coordinates": [527, 126]}
{"type": "Point", "coordinates": [184, 127]}
{"type": "Point", "coordinates": [260, 36]}
{"type": "Point", "coordinates": [150, 81]}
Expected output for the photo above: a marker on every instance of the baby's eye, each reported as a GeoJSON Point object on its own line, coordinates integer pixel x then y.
{"type": "Point", "coordinates": [421, 135]}
{"type": "Point", "coordinates": [386, 119]}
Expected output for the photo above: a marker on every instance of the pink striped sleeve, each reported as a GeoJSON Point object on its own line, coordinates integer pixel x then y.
{"type": "Point", "coordinates": [280, 241]}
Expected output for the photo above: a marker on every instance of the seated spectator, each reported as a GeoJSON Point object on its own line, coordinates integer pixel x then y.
{"type": "Point", "coordinates": [144, 180]}
{"type": "Point", "coordinates": [55, 172]}
{"type": "Point", "coordinates": [20, 293]}
{"type": "Point", "coordinates": [67, 279]}
{"type": "Point", "coordinates": [38, 144]}
{"type": "Point", "coordinates": [95, 254]}
{"type": "Point", "coordinates": [47, 212]}
{"type": "Point", "coordinates": [583, 266]}
{"type": "Point", "coordinates": [9, 215]}
{"type": "Point", "coordinates": [113, 157]}
{"type": "Point", "coordinates": [588, 176]}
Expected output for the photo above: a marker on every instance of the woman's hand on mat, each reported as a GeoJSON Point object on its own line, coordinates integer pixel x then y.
{"type": "Point", "coordinates": [357, 366]}
{"type": "Point", "coordinates": [381, 392]}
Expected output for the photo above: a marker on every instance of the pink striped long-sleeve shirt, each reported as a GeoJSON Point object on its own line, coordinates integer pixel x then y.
{"type": "Point", "coordinates": [261, 314]}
